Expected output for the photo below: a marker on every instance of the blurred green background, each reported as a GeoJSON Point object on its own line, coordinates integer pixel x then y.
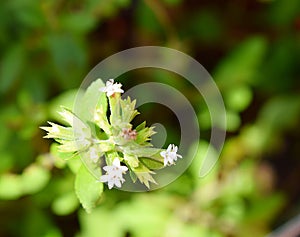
{"type": "Point", "coordinates": [252, 50]}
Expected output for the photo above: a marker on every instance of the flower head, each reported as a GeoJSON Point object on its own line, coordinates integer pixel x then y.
{"type": "Point", "coordinates": [128, 134]}
{"type": "Point", "coordinates": [170, 155]}
{"type": "Point", "coordinates": [111, 88]}
{"type": "Point", "coordinates": [114, 174]}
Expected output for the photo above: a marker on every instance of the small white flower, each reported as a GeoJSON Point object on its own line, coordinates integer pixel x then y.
{"type": "Point", "coordinates": [170, 155]}
{"type": "Point", "coordinates": [111, 88]}
{"type": "Point", "coordinates": [114, 174]}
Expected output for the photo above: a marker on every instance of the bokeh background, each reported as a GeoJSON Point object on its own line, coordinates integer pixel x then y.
{"type": "Point", "coordinates": [252, 50]}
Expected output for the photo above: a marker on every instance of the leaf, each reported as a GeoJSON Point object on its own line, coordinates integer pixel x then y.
{"type": "Point", "coordinates": [68, 58]}
{"type": "Point", "coordinates": [10, 187]}
{"type": "Point", "coordinates": [65, 204]}
{"type": "Point", "coordinates": [132, 160]}
{"type": "Point", "coordinates": [65, 100]}
{"type": "Point", "coordinates": [91, 102]}
{"type": "Point", "coordinates": [238, 98]}
{"type": "Point", "coordinates": [87, 188]}
{"type": "Point", "coordinates": [149, 152]}
{"type": "Point", "coordinates": [11, 67]}
{"type": "Point", "coordinates": [144, 175]}
{"type": "Point", "coordinates": [152, 163]}
{"type": "Point", "coordinates": [54, 150]}
{"type": "Point", "coordinates": [34, 178]}
{"type": "Point", "coordinates": [242, 64]}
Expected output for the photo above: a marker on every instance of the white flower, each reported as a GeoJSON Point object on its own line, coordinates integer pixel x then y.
{"type": "Point", "coordinates": [111, 88]}
{"type": "Point", "coordinates": [114, 174]}
{"type": "Point", "coordinates": [170, 155]}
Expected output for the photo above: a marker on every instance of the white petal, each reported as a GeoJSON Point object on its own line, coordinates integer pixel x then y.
{"type": "Point", "coordinates": [104, 178]}
{"type": "Point", "coordinates": [118, 183]}
{"type": "Point", "coordinates": [110, 184]}
{"type": "Point", "coordinates": [116, 162]}
{"type": "Point", "coordinates": [175, 149]}
{"type": "Point", "coordinates": [110, 82]}
{"type": "Point", "coordinates": [169, 148]}
{"type": "Point", "coordinates": [109, 169]}
{"type": "Point", "coordinates": [165, 162]}
{"type": "Point", "coordinates": [163, 153]}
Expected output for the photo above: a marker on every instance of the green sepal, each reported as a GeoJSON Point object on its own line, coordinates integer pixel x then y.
{"type": "Point", "coordinates": [144, 175]}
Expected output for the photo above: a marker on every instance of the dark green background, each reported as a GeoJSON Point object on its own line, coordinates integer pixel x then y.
{"type": "Point", "coordinates": [252, 50]}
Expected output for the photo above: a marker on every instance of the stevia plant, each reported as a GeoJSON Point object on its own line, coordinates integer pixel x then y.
{"type": "Point", "coordinates": [107, 143]}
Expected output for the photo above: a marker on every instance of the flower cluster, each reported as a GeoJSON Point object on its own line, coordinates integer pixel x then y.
{"type": "Point", "coordinates": [114, 174]}
{"type": "Point", "coordinates": [98, 138]}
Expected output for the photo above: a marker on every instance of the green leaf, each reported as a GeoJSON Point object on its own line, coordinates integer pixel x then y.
{"type": "Point", "coordinates": [132, 160]}
{"type": "Point", "coordinates": [241, 66]}
{"type": "Point", "coordinates": [78, 22]}
{"type": "Point", "coordinates": [87, 188]}
{"type": "Point", "coordinates": [152, 163]}
{"type": "Point", "coordinates": [65, 204]}
{"type": "Point", "coordinates": [54, 150]}
{"type": "Point", "coordinates": [11, 67]}
{"type": "Point", "coordinates": [238, 98]}
{"type": "Point", "coordinates": [10, 187]}
{"type": "Point", "coordinates": [34, 179]}
{"type": "Point", "coordinates": [66, 100]}
{"type": "Point", "coordinates": [149, 152]}
{"type": "Point", "coordinates": [69, 58]}
{"type": "Point", "coordinates": [93, 101]}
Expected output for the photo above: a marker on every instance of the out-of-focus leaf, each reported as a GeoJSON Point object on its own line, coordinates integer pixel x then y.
{"type": "Point", "coordinates": [238, 98]}
{"type": "Point", "coordinates": [34, 178]}
{"type": "Point", "coordinates": [87, 188]}
{"type": "Point", "coordinates": [66, 100]}
{"type": "Point", "coordinates": [37, 223]}
{"type": "Point", "coordinates": [233, 121]}
{"type": "Point", "coordinates": [148, 215]}
{"type": "Point", "coordinates": [146, 19]}
{"type": "Point", "coordinates": [69, 58]}
{"type": "Point", "coordinates": [282, 13]}
{"type": "Point", "coordinates": [173, 2]}
{"type": "Point", "coordinates": [65, 204]}
{"type": "Point", "coordinates": [281, 67]}
{"type": "Point", "coordinates": [79, 23]}
{"type": "Point", "coordinates": [271, 205]}
{"type": "Point", "coordinates": [101, 220]}
{"type": "Point", "coordinates": [280, 113]}
{"type": "Point", "coordinates": [10, 187]}
{"type": "Point", "coordinates": [205, 25]}
{"type": "Point", "coordinates": [241, 65]}
{"type": "Point", "coordinates": [7, 161]}
{"type": "Point", "coordinates": [11, 67]}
